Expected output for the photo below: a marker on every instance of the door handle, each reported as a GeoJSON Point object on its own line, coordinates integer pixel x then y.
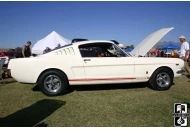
{"type": "Point", "coordinates": [87, 59]}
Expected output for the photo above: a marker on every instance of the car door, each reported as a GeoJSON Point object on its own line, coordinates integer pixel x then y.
{"type": "Point", "coordinates": [108, 69]}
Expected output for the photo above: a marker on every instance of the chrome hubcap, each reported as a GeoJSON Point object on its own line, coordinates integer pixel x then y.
{"type": "Point", "coordinates": [163, 79]}
{"type": "Point", "coordinates": [52, 83]}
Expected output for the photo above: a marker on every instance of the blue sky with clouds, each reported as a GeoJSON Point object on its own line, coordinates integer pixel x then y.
{"type": "Point", "coordinates": [127, 22]}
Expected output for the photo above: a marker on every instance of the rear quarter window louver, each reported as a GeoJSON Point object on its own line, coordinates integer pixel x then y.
{"type": "Point", "coordinates": [66, 51]}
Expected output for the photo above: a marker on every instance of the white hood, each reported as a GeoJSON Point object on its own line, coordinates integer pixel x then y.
{"type": "Point", "coordinates": [143, 47]}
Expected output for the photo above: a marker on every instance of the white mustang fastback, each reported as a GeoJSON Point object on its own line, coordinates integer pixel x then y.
{"type": "Point", "coordinates": [94, 62]}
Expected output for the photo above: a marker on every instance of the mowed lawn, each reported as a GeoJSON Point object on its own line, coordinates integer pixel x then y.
{"type": "Point", "coordinates": [105, 105]}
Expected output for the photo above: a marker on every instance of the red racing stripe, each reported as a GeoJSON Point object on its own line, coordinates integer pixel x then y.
{"type": "Point", "coordinates": [96, 79]}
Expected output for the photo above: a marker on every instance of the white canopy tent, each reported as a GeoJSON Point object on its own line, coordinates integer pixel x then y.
{"type": "Point", "coordinates": [50, 41]}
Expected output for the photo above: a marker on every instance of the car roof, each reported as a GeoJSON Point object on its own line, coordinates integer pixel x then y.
{"type": "Point", "coordinates": [82, 43]}
{"type": "Point", "coordinates": [91, 41]}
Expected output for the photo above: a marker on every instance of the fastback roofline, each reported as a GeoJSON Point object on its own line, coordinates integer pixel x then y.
{"type": "Point", "coordinates": [82, 39]}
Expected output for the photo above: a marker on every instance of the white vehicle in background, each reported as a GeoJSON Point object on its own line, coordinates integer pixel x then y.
{"type": "Point", "coordinates": [8, 56]}
{"type": "Point", "coordinates": [6, 60]}
{"type": "Point", "coordinates": [4, 67]}
{"type": "Point", "coordinates": [88, 62]}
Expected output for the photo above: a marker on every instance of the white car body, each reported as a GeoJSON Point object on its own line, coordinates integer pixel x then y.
{"type": "Point", "coordinates": [91, 70]}
{"type": "Point", "coordinates": [97, 71]}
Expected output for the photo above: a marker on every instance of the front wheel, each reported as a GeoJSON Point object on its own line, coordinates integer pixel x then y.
{"type": "Point", "coordinates": [53, 83]}
{"type": "Point", "coordinates": [161, 79]}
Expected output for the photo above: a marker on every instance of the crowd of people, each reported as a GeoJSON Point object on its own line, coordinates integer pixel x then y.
{"type": "Point", "coordinates": [2, 54]}
{"type": "Point", "coordinates": [6, 53]}
{"type": "Point", "coordinates": [163, 53]}
{"type": "Point", "coordinates": [183, 53]}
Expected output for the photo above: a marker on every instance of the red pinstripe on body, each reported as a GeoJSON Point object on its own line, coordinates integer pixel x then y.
{"type": "Point", "coordinates": [100, 79]}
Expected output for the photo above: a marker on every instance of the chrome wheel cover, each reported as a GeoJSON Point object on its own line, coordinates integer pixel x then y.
{"type": "Point", "coordinates": [163, 79]}
{"type": "Point", "coordinates": [52, 83]}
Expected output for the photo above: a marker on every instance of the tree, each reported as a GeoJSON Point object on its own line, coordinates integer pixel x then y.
{"type": "Point", "coordinates": [18, 52]}
{"type": "Point", "coordinates": [132, 46]}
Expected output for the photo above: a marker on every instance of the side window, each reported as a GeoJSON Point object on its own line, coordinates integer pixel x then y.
{"type": "Point", "coordinates": [89, 51]}
{"type": "Point", "coordinates": [100, 50]}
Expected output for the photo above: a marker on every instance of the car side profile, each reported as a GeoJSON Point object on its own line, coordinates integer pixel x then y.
{"type": "Point", "coordinates": [89, 62]}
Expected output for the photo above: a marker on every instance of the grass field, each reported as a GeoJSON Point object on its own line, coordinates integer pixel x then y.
{"type": "Point", "coordinates": [105, 105]}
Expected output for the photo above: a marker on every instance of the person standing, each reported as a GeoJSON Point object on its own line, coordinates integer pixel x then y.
{"type": "Point", "coordinates": [173, 53]}
{"type": "Point", "coordinates": [162, 53]}
{"type": "Point", "coordinates": [26, 50]}
{"type": "Point", "coordinates": [156, 52]}
{"type": "Point", "coordinates": [184, 52]}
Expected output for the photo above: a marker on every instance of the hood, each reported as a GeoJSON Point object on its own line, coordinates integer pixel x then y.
{"type": "Point", "coordinates": [144, 46]}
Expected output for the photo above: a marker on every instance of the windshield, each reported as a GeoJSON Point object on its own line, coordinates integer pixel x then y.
{"type": "Point", "coordinates": [118, 51]}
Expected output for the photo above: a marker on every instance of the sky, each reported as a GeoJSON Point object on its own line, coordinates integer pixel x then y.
{"type": "Point", "coordinates": [127, 22]}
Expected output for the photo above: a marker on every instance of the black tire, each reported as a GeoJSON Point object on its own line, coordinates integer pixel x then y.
{"type": "Point", "coordinates": [155, 79]}
{"type": "Point", "coordinates": [63, 83]}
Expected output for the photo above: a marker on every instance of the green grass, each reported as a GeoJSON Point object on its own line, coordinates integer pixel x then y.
{"type": "Point", "coordinates": [105, 105]}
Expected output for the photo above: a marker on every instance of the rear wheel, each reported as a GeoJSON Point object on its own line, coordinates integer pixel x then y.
{"type": "Point", "coordinates": [161, 79]}
{"type": "Point", "coordinates": [53, 83]}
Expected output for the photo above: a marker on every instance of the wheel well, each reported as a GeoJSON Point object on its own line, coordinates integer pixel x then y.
{"type": "Point", "coordinates": [165, 67]}
{"type": "Point", "coordinates": [54, 70]}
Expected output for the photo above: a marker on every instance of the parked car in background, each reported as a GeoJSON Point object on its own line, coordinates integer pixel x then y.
{"type": "Point", "coordinates": [8, 55]}
{"type": "Point", "coordinates": [5, 55]}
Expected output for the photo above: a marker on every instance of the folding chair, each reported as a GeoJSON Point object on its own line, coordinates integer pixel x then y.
{"type": "Point", "coordinates": [2, 61]}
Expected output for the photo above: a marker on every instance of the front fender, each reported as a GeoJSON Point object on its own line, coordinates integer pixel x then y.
{"type": "Point", "coordinates": [160, 66]}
